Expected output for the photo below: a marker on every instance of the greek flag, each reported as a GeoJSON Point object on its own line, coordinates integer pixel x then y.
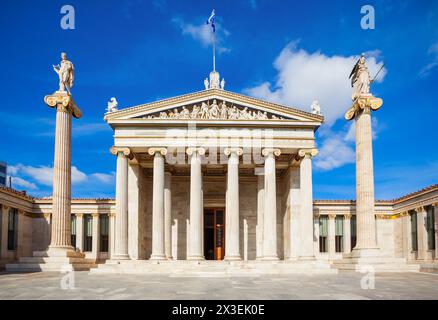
{"type": "Point", "coordinates": [211, 21]}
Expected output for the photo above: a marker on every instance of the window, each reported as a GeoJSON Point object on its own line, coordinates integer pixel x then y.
{"type": "Point", "coordinates": [104, 231]}
{"type": "Point", "coordinates": [73, 230]}
{"type": "Point", "coordinates": [414, 242]}
{"type": "Point", "coordinates": [323, 233]}
{"type": "Point", "coordinates": [353, 231]}
{"type": "Point", "coordinates": [12, 229]}
{"type": "Point", "coordinates": [88, 232]}
{"type": "Point", "coordinates": [339, 233]}
{"type": "Point", "coordinates": [430, 226]}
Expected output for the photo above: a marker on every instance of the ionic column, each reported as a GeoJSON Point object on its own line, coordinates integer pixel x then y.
{"type": "Point", "coordinates": [4, 235]}
{"type": "Point", "coordinates": [96, 236]}
{"type": "Point", "coordinates": [270, 215]}
{"type": "Point", "coordinates": [168, 215]}
{"type": "Point", "coordinates": [121, 227]}
{"type": "Point", "coordinates": [80, 232]}
{"type": "Point", "coordinates": [61, 215]}
{"type": "Point", "coordinates": [347, 233]}
{"type": "Point", "coordinates": [158, 250]}
{"type": "Point", "coordinates": [196, 250]}
{"type": "Point", "coordinates": [112, 233]}
{"type": "Point", "coordinates": [306, 217]}
{"type": "Point", "coordinates": [435, 210]}
{"type": "Point", "coordinates": [366, 223]}
{"type": "Point", "coordinates": [232, 229]}
{"type": "Point", "coordinates": [408, 234]}
{"type": "Point", "coordinates": [260, 215]}
{"type": "Point", "coordinates": [331, 235]}
{"type": "Point", "coordinates": [421, 233]}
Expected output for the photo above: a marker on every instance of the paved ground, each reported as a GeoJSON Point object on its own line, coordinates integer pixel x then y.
{"type": "Point", "coordinates": [341, 286]}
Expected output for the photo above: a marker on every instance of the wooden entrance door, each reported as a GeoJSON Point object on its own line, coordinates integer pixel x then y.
{"type": "Point", "coordinates": [214, 234]}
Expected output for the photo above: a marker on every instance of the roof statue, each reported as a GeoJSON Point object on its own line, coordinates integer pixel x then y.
{"type": "Point", "coordinates": [315, 107]}
{"type": "Point", "coordinates": [112, 105]}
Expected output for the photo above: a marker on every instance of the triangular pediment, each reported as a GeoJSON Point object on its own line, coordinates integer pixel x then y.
{"type": "Point", "coordinates": [212, 105]}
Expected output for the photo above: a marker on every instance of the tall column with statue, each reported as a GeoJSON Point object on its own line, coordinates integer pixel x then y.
{"type": "Point", "coordinates": [66, 108]}
{"type": "Point", "coordinates": [363, 104]}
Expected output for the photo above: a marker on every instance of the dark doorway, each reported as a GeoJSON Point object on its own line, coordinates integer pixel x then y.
{"type": "Point", "coordinates": [214, 234]}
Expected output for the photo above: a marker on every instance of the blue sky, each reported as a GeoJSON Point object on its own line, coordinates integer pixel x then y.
{"type": "Point", "coordinates": [286, 51]}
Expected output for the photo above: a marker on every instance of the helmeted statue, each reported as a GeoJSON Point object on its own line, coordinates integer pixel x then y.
{"type": "Point", "coordinates": [65, 71]}
{"type": "Point", "coordinates": [360, 78]}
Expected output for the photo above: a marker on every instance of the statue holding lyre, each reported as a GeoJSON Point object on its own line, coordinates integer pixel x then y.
{"type": "Point", "coordinates": [65, 71]}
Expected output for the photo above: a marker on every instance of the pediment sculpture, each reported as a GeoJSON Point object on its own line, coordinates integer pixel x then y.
{"type": "Point", "coordinates": [214, 111]}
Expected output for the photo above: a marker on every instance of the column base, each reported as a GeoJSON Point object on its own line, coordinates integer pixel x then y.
{"type": "Point", "coordinates": [232, 258]}
{"type": "Point", "coordinates": [156, 257]}
{"type": "Point", "coordinates": [364, 253]}
{"type": "Point", "coordinates": [196, 258]}
{"type": "Point", "coordinates": [59, 251]}
{"type": "Point", "coordinates": [270, 258]}
{"type": "Point", "coordinates": [307, 258]}
{"type": "Point", "coordinates": [120, 257]}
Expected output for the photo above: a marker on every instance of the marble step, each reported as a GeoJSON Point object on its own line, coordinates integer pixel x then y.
{"type": "Point", "coordinates": [56, 260]}
{"type": "Point", "coordinates": [47, 267]}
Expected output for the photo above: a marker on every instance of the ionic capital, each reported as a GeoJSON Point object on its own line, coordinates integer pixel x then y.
{"type": "Point", "coordinates": [316, 215]}
{"type": "Point", "coordinates": [404, 214]}
{"type": "Point", "coordinates": [63, 102]}
{"type": "Point", "coordinates": [95, 215]}
{"type": "Point", "coordinates": [420, 209]}
{"type": "Point", "coordinates": [79, 215]}
{"type": "Point", "coordinates": [435, 205]}
{"type": "Point", "coordinates": [5, 207]}
{"type": "Point", "coordinates": [238, 151]}
{"type": "Point", "coordinates": [199, 151]}
{"type": "Point", "coordinates": [332, 216]}
{"type": "Point", "coordinates": [347, 216]}
{"type": "Point", "coordinates": [307, 153]}
{"type": "Point", "coordinates": [116, 150]}
{"type": "Point", "coordinates": [273, 151]}
{"type": "Point", "coordinates": [153, 151]}
{"type": "Point", "coordinates": [47, 215]}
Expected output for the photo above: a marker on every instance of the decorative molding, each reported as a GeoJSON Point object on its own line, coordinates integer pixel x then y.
{"type": "Point", "coordinates": [238, 151]}
{"type": "Point", "coordinates": [267, 151]}
{"type": "Point", "coordinates": [190, 151]}
{"type": "Point", "coordinates": [153, 151]}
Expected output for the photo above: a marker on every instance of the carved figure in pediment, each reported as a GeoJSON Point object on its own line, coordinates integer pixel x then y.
{"type": "Point", "coordinates": [233, 113]}
{"type": "Point", "coordinates": [224, 111]}
{"type": "Point", "coordinates": [195, 112]}
{"type": "Point", "coordinates": [204, 111]}
{"type": "Point", "coordinates": [185, 113]}
{"type": "Point", "coordinates": [214, 110]}
{"type": "Point", "coordinates": [175, 114]}
{"type": "Point", "coordinates": [163, 115]}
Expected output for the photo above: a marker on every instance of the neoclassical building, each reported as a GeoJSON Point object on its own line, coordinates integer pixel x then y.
{"type": "Point", "coordinates": [212, 175]}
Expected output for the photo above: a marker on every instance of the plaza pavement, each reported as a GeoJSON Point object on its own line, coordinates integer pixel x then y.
{"type": "Point", "coordinates": [114, 286]}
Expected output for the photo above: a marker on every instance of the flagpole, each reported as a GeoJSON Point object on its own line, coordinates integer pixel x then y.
{"type": "Point", "coordinates": [214, 51]}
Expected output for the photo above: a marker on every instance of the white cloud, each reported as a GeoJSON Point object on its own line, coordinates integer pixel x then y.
{"type": "Point", "coordinates": [19, 182]}
{"type": "Point", "coordinates": [104, 177]}
{"type": "Point", "coordinates": [303, 77]}
{"type": "Point", "coordinates": [433, 51]}
{"type": "Point", "coordinates": [202, 32]}
{"type": "Point", "coordinates": [44, 174]}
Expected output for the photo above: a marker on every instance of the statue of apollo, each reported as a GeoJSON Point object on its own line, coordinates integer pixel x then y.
{"type": "Point", "coordinates": [65, 71]}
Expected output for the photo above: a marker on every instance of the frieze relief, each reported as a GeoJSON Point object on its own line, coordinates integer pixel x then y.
{"type": "Point", "coordinates": [214, 111]}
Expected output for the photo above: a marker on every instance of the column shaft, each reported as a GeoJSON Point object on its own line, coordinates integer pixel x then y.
{"type": "Point", "coordinates": [96, 237]}
{"type": "Point", "coordinates": [121, 239]}
{"type": "Point", "coordinates": [4, 235]}
{"type": "Point", "coordinates": [80, 232]}
{"type": "Point", "coordinates": [270, 217]}
{"type": "Point", "coordinates": [331, 236]}
{"type": "Point", "coordinates": [306, 217]}
{"type": "Point", "coordinates": [232, 247]}
{"type": "Point", "coordinates": [61, 227]}
{"type": "Point", "coordinates": [366, 224]}
{"type": "Point", "coordinates": [421, 234]}
{"type": "Point", "coordinates": [435, 210]}
{"type": "Point", "coordinates": [260, 215]}
{"type": "Point", "coordinates": [196, 208]}
{"type": "Point", "coordinates": [158, 251]}
{"type": "Point", "coordinates": [347, 233]}
{"type": "Point", "coordinates": [168, 215]}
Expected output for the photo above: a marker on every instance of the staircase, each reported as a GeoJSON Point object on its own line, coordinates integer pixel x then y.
{"type": "Point", "coordinates": [41, 261]}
